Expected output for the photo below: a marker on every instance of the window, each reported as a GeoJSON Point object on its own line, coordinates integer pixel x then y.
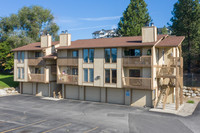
{"type": "Point", "coordinates": [85, 55]}
{"type": "Point", "coordinates": [107, 76]}
{"type": "Point", "coordinates": [19, 73]}
{"type": "Point", "coordinates": [107, 55]}
{"type": "Point", "coordinates": [88, 55]}
{"type": "Point", "coordinates": [114, 76]}
{"type": "Point", "coordinates": [91, 55]}
{"type": "Point", "coordinates": [75, 54]}
{"type": "Point", "coordinates": [18, 56]}
{"type": "Point", "coordinates": [132, 52]}
{"type": "Point", "coordinates": [37, 54]}
{"type": "Point", "coordinates": [91, 75]}
{"type": "Point", "coordinates": [85, 75]}
{"type": "Point", "coordinates": [111, 55]}
{"type": "Point", "coordinates": [22, 73]}
{"type": "Point", "coordinates": [134, 73]}
{"type": "Point", "coordinates": [88, 77]}
{"type": "Point", "coordinates": [110, 76]}
{"type": "Point", "coordinates": [22, 57]}
{"type": "Point", "coordinates": [74, 71]}
{"type": "Point", "coordinates": [114, 55]}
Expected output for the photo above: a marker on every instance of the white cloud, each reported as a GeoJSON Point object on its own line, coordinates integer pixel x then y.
{"type": "Point", "coordinates": [101, 18]}
{"type": "Point", "coordinates": [85, 28]}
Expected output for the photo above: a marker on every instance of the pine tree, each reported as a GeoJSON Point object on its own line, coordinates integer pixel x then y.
{"type": "Point", "coordinates": [164, 30]}
{"type": "Point", "coordinates": [134, 18]}
{"type": "Point", "coordinates": [186, 22]}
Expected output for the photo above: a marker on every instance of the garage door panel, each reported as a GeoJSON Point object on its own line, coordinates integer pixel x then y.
{"type": "Point", "coordinates": [92, 94]}
{"type": "Point", "coordinates": [72, 92]}
{"type": "Point", "coordinates": [141, 98]}
{"type": "Point", "coordinates": [115, 96]}
{"type": "Point", "coordinates": [27, 88]}
{"type": "Point", "coordinates": [43, 90]}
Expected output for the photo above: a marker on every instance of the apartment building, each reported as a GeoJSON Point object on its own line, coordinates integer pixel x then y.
{"type": "Point", "coordinates": [139, 70]}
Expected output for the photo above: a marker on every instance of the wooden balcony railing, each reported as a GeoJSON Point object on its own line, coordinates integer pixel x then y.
{"type": "Point", "coordinates": [37, 78]}
{"type": "Point", "coordinates": [67, 79]}
{"type": "Point", "coordinates": [137, 83]}
{"type": "Point", "coordinates": [36, 61]}
{"type": "Point", "coordinates": [67, 61]}
{"type": "Point", "coordinates": [142, 61]}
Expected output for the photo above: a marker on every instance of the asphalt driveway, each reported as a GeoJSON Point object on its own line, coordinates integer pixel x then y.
{"type": "Point", "coordinates": [24, 114]}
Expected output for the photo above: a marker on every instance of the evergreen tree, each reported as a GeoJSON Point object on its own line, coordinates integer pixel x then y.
{"type": "Point", "coordinates": [186, 22]}
{"type": "Point", "coordinates": [134, 18]}
{"type": "Point", "coordinates": [164, 30]}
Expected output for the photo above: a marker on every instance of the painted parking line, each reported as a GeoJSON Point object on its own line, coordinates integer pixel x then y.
{"type": "Point", "coordinates": [57, 128]}
{"type": "Point", "coordinates": [91, 130]}
{"type": "Point", "coordinates": [23, 126]}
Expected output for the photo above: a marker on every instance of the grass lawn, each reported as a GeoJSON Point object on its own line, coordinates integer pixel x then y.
{"type": "Point", "coordinates": [7, 81]}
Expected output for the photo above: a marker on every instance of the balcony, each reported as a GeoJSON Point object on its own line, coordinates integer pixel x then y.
{"type": "Point", "coordinates": [142, 61]}
{"type": "Point", "coordinates": [137, 83]}
{"type": "Point", "coordinates": [37, 78]}
{"type": "Point", "coordinates": [67, 61]}
{"type": "Point", "coordinates": [67, 79]}
{"type": "Point", "coordinates": [36, 61]}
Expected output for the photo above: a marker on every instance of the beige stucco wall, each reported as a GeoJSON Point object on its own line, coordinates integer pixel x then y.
{"type": "Point", "coordinates": [21, 65]}
{"type": "Point", "coordinates": [46, 41]}
{"type": "Point", "coordinates": [149, 34]}
{"type": "Point", "coordinates": [65, 39]}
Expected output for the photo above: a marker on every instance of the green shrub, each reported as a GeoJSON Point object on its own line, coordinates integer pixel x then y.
{"type": "Point", "coordinates": [190, 101]}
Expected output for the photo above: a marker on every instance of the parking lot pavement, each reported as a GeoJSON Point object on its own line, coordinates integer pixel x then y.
{"type": "Point", "coordinates": [24, 114]}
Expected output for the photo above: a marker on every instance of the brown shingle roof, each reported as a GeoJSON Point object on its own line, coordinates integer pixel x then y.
{"type": "Point", "coordinates": [110, 42]}
{"type": "Point", "coordinates": [171, 41]}
{"type": "Point", "coordinates": [165, 41]}
{"type": "Point", "coordinates": [32, 47]}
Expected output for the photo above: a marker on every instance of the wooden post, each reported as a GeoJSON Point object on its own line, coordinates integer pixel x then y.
{"type": "Point", "coordinates": [176, 84]}
{"type": "Point", "coordinates": [166, 95]}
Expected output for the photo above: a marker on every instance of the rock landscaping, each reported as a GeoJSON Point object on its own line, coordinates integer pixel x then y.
{"type": "Point", "coordinates": [8, 91]}
{"type": "Point", "coordinates": [191, 92]}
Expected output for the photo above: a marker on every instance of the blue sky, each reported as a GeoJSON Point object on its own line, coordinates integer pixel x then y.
{"type": "Point", "coordinates": [82, 17]}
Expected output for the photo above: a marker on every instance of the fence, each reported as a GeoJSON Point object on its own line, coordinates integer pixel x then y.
{"type": "Point", "coordinates": [191, 79]}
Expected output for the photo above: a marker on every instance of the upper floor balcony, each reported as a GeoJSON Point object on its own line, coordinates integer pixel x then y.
{"type": "Point", "coordinates": [36, 61]}
{"type": "Point", "coordinates": [137, 83]}
{"type": "Point", "coordinates": [140, 61]}
{"type": "Point", "coordinates": [37, 78]}
{"type": "Point", "coordinates": [67, 61]}
{"type": "Point", "coordinates": [67, 79]}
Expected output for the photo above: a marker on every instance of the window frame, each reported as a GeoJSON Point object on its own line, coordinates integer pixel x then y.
{"type": "Point", "coordinates": [88, 56]}
{"type": "Point", "coordinates": [88, 75]}
{"type": "Point", "coordinates": [76, 54]}
{"type": "Point", "coordinates": [110, 54]}
{"type": "Point", "coordinates": [110, 76]}
{"type": "Point", "coordinates": [40, 55]}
